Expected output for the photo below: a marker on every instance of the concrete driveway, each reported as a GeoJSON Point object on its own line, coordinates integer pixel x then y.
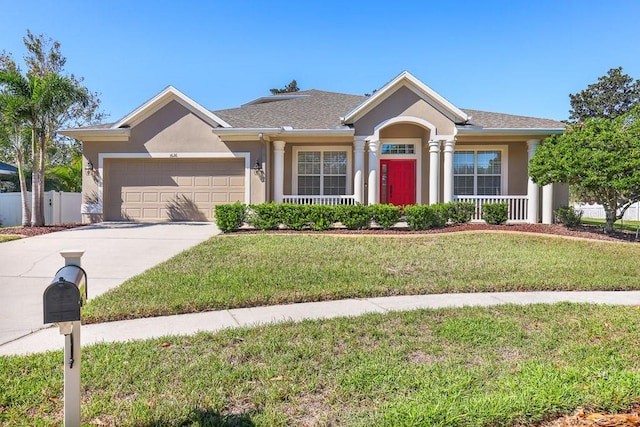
{"type": "Point", "coordinates": [114, 252]}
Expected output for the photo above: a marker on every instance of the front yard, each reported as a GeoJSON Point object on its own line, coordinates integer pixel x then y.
{"type": "Point", "coordinates": [494, 366]}
{"type": "Point", "coordinates": [263, 269]}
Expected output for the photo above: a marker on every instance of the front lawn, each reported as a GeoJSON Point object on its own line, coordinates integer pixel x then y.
{"type": "Point", "coordinates": [264, 269]}
{"type": "Point", "coordinates": [451, 367]}
{"type": "Point", "coordinates": [629, 225]}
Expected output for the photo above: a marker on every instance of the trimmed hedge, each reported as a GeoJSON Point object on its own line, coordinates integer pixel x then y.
{"type": "Point", "coordinates": [495, 213]}
{"type": "Point", "coordinates": [272, 216]}
{"type": "Point", "coordinates": [568, 216]}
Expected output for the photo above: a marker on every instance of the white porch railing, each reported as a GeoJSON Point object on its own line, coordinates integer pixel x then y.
{"type": "Point", "coordinates": [517, 211]}
{"type": "Point", "coordinates": [319, 200]}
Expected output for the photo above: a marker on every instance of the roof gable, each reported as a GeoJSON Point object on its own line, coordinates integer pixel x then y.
{"type": "Point", "coordinates": [408, 80]}
{"type": "Point", "coordinates": [163, 98]}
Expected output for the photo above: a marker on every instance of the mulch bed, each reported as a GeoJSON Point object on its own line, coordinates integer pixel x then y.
{"type": "Point", "coordinates": [37, 231]}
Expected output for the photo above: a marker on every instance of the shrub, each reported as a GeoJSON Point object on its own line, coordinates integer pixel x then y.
{"type": "Point", "coordinates": [265, 216]}
{"type": "Point", "coordinates": [461, 212]}
{"type": "Point", "coordinates": [354, 217]}
{"type": "Point", "coordinates": [321, 217]}
{"type": "Point", "coordinates": [568, 216]}
{"type": "Point", "coordinates": [296, 217]}
{"type": "Point", "coordinates": [230, 217]}
{"type": "Point", "coordinates": [385, 215]}
{"type": "Point", "coordinates": [423, 217]}
{"type": "Point", "coordinates": [495, 213]}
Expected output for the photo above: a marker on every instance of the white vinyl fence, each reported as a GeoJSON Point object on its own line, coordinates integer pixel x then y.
{"type": "Point", "coordinates": [59, 208]}
{"type": "Point", "coordinates": [597, 211]}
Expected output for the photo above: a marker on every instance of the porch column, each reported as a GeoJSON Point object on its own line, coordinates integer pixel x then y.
{"type": "Point", "coordinates": [533, 191]}
{"type": "Point", "coordinates": [547, 204]}
{"type": "Point", "coordinates": [448, 170]}
{"type": "Point", "coordinates": [358, 169]}
{"type": "Point", "coordinates": [372, 184]}
{"type": "Point", "coordinates": [278, 171]}
{"type": "Point", "coordinates": [434, 171]}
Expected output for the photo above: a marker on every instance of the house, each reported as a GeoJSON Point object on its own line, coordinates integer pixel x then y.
{"type": "Point", "coordinates": [172, 159]}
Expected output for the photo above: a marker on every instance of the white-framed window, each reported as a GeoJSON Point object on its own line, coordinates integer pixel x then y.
{"type": "Point", "coordinates": [480, 171]}
{"type": "Point", "coordinates": [322, 171]}
{"type": "Point", "coordinates": [398, 149]}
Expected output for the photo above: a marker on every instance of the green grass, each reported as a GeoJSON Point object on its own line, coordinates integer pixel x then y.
{"type": "Point", "coordinates": [264, 269]}
{"type": "Point", "coordinates": [628, 225]}
{"type": "Point", "coordinates": [451, 367]}
{"type": "Point", "coordinates": [9, 237]}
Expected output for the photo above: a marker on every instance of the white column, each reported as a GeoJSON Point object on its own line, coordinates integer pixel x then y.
{"type": "Point", "coordinates": [372, 185]}
{"type": "Point", "coordinates": [434, 171]}
{"type": "Point", "coordinates": [358, 169]}
{"type": "Point", "coordinates": [547, 204]}
{"type": "Point", "coordinates": [448, 170]}
{"type": "Point", "coordinates": [533, 191]}
{"type": "Point", "coordinates": [278, 171]}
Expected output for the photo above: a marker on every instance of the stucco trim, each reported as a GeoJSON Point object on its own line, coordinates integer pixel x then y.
{"type": "Point", "coordinates": [245, 155]}
{"type": "Point", "coordinates": [163, 98]}
{"type": "Point", "coordinates": [410, 81]}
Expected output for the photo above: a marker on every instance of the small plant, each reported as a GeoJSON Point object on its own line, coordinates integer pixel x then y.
{"type": "Point", "coordinates": [354, 217]}
{"type": "Point", "coordinates": [424, 217]}
{"type": "Point", "coordinates": [230, 217]}
{"type": "Point", "coordinates": [495, 213]}
{"type": "Point", "coordinates": [385, 215]}
{"type": "Point", "coordinates": [461, 212]}
{"type": "Point", "coordinates": [568, 216]}
{"type": "Point", "coordinates": [321, 217]}
{"type": "Point", "coordinates": [265, 216]}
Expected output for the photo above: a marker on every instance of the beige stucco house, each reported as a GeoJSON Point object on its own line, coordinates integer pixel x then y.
{"type": "Point", "coordinates": [172, 159]}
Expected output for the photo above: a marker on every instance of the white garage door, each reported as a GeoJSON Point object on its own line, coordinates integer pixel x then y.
{"type": "Point", "coordinates": [171, 189]}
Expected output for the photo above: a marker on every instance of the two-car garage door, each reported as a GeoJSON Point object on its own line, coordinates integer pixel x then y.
{"type": "Point", "coordinates": [170, 189]}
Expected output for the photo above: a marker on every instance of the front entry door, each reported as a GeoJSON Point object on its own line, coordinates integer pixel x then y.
{"type": "Point", "coordinates": [398, 181]}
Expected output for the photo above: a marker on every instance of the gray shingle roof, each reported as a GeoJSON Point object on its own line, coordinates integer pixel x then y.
{"type": "Point", "coordinates": [317, 110]}
{"type": "Point", "coordinates": [509, 121]}
{"type": "Point", "coordinates": [7, 168]}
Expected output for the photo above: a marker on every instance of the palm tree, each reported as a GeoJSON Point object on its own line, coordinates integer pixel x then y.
{"type": "Point", "coordinates": [38, 101]}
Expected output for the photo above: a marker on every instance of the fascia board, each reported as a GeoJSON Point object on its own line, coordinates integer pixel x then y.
{"type": "Point", "coordinates": [162, 99]}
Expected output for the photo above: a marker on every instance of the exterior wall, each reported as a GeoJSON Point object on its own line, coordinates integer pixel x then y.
{"type": "Point", "coordinates": [404, 102]}
{"type": "Point", "coordinates": [172, 129]}
{"type": "Point", "coordinates": [560, 195]}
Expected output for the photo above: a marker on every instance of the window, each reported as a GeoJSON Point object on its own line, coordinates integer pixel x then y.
{"type": "Point", "coordinates": [398, 149]}
{"type": "Point", "coordinates": [477, 173]}
{"type": "Point", "coordinates": [322, 173]}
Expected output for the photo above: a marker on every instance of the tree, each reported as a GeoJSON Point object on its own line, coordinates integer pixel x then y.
{"type": "Point", "coordinates": [291, 87]}
{"type": "Point", "coordinates": [611, 96]}
{"type": "Point", "coordinates": [599, 157]}
{"type": "Point", "coordinates": [47, 99]}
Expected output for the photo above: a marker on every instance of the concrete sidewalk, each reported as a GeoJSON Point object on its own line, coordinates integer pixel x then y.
{"type": "Point", "coordinates": [114, 252]}
{"type": "Point", "coordinates": [139, 329]}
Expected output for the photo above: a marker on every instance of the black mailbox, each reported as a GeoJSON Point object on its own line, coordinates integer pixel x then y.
{"type": "Point", "coordinates": [65, 295]}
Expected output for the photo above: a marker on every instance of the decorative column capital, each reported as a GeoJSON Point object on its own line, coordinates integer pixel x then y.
{"type": "Point", "coordinates": [449, 145]}
{"type": "Point", "coordinates": [532, 145]}
{"type": "Point", "coordinates": [279, 145]}
{"type": "Point", "coordinates": [373, 146]}
{"type": "Point", "coordinates": [358, 144]}
{"type": "Point", "coordinates": [434, 146]}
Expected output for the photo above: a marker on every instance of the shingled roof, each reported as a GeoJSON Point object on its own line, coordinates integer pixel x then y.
{"type": "Point", "coordinates": [316, 109]}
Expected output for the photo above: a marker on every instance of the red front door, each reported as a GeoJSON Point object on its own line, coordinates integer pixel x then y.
{"type": "Point", "coordinates": [398, 181]}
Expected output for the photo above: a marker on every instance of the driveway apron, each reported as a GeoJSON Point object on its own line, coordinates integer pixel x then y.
{"type": "Point", "coordinates": [114, 252]}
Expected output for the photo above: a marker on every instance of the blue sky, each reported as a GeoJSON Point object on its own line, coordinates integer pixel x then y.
{"type": "Point", "coordinates": [519, 57]}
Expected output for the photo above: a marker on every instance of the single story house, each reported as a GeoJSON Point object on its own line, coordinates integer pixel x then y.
{"type": "Point", "coordinates": [7, 169]}
{"type": "Point", "coordinates": [173, 159]}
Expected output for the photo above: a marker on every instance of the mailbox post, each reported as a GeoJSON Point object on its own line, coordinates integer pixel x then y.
{"type": "Point", "coordinates": [62, 300]}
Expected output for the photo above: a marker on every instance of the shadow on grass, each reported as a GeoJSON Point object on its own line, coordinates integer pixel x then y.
{"type": "Point", "coordinates": [204, 417]}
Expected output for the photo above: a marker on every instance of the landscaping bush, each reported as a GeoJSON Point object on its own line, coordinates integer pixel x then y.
{"type": "Point", "coordinates": [265, 216]}
{"type": "Point", "coordinates": [424, 217]}
{"type": "Point", "coordinates": [385, 215]}
{"type": "Point", "coordinates": [230, 217]}
{"type": "Point", "coordinates": [495, 213]}
{"type": "Point", "coordinates": [321, 217]}
{"type": "Point", "coordinates": [461, 212]}
{"type": "Point", "coordinates": [354, 217]}
{"type": "Point", "coordinates": [568, 216]}
{"type": "Point", "coordinates": [296, 217]}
